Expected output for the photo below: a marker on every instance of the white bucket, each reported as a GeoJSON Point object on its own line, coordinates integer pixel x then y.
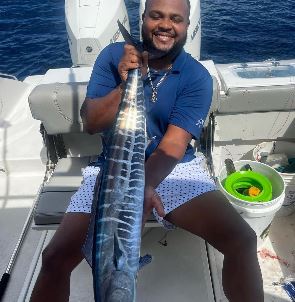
{"type": "Point", "coordinates": [259, 215]}
{"type": "Point", "coordinates": [287, 148]}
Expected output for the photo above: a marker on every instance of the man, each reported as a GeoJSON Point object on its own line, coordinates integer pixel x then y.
{"type": "Point", "coordinates": [178, 93]}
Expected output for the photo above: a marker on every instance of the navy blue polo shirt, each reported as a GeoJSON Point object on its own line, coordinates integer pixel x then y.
{"type": "Point", "coordinates": [183, 98]}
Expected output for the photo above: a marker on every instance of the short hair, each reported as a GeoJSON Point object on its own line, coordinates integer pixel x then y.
{"type": "Point", "coordinates": [187, 2]}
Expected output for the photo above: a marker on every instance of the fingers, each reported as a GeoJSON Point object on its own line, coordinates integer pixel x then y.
{"type": "Point", "coordinates": [145, 58]}
{"type": "Point", "coordinates": [158, 205]}
{"type": "Point", "coordinates": [153, 200]}
{"type": "Point", "coordinates": [131, 59]}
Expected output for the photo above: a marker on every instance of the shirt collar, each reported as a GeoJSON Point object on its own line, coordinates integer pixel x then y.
{"type": "Point", "coordinates": [176, 65]}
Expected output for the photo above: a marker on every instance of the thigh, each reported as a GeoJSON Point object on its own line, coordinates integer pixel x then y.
{"type": "Point", "coordinates": [212, 217]}
{"type": "Point", "coordinates": [187, 181]}
{"type": "Point", "coordinates": [70, 235]}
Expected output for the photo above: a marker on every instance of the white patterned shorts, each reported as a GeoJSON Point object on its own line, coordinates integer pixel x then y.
{"type": "Point", "coordinates": [186, 181]}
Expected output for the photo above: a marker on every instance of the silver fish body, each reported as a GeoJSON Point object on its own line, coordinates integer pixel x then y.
{"type": "Point", "coordinates": [117, 233]}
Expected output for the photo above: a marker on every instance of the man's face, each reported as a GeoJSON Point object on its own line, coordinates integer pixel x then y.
{"type": "Point", "coordinates": [165, 24]}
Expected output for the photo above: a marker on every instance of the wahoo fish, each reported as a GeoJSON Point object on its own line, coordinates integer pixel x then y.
{"type": "Point", "coordinates": [117, 230]}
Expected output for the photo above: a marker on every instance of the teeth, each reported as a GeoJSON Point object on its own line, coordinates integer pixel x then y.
{"type": "Point", "coordinates": [164, 38]}
{"type": "Point", "coordinates": [163, 35]}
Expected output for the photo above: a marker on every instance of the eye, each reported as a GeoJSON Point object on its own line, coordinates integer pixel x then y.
{"type": "Point", "coordinates": [176, 19]}
{"type": "Point", "coordinates": [155, 15]}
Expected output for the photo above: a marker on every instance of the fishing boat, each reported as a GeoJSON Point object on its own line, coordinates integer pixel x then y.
{"type": "Point", "coordinates": [44, 149]}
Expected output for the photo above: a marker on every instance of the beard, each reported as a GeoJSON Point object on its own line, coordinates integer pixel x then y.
{"type": "Point", "coordinates": [156, 52]}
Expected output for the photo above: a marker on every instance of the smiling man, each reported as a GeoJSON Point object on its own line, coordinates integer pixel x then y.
{"type": "Point", "coordinates": [166, 39]}
{"type": "Point", "coordinates": [179, 191]}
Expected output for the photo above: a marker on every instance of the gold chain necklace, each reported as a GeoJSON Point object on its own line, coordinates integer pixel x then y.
{"type": "Point", "coordinates": [155, 89]}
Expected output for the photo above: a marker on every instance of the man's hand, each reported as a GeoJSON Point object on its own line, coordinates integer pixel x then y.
{"type": "Point", "coordinates": [151, 200]}
{"type": "Point", "coordinates": [132, 59]}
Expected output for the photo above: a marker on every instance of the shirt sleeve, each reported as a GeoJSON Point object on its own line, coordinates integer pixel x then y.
{"type": "Point", "coordinates": [192, 104]}
{"type": "Point", "coordinates": [104, 77]}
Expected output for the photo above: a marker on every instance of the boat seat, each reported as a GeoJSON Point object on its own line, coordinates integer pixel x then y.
{"type": "Point", "coordinates": [56, 193]}
{"type": "Point", "coordinates": [57, 106]}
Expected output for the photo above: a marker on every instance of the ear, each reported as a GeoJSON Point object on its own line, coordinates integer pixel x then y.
{"type": "Point", "coordinates": [188, 24]}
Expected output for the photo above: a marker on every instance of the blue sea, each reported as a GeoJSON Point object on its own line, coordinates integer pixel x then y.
{"type": "Point", "coordinates": [33, 35]}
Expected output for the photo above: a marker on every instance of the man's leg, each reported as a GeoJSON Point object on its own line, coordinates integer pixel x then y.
{"type": "Point", "coordinates": [211, 217]}
{"type": "Point", "coordinates": [59, 258]}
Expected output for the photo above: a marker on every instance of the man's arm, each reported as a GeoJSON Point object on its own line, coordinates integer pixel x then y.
{"type": "Point", "coordinates": [159, 165]}
{"type": "Point", "coordinates": [169, 152]}
{"type": "Point", "coordinates": [98, 114]}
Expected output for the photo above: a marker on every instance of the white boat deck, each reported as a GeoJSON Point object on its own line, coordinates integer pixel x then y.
{"type": "Point", "coordinates": [21, 174]}
{"type": "Point", "coordinates": [179, 271]}
{"type": "Point", "coordinates": [171, 276]}
{"type": "Point", "coordinates": [17, 198]}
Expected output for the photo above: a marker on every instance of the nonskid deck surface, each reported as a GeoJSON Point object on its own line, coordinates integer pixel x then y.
{"type": "Point", "coordinates": [277, 257]}
{"type": "Point", "coordinates": [179, 270]}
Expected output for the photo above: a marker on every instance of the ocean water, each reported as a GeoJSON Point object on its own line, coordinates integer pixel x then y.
{"type": "Point", "coordinates": [33, 34]}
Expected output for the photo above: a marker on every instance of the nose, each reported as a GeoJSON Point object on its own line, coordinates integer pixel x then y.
{"type": "Point", "coordinates": [165, 24]}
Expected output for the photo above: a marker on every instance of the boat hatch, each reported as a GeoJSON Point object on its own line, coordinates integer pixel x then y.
{"type": "Point", "coordinates": [265, 71]}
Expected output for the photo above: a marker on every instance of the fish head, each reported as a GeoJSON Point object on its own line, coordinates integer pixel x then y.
{"type": "Point", "coordinates": [120, 287]}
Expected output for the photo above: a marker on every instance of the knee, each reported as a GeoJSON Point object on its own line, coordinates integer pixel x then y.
{"type": "Point", "coordinates": [51, 259]}
{"type": "Point", "coordinates": [244, 242]}
{"type": "Point", "coordinates": [248, 241]}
